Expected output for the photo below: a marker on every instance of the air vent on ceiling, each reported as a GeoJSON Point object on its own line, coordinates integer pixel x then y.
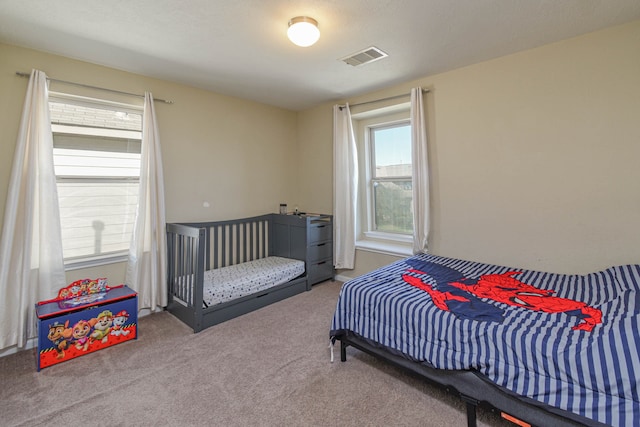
{"type": "Point", "coordinates": [365, 56]}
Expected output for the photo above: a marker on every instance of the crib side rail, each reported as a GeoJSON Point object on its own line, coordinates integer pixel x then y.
{"type": "Point", "coordinates": [236, 241]}
{"type": "Point", "coordinates": [185, 265]}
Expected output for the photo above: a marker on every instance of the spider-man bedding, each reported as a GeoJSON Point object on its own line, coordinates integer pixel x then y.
{"type": "Point", "coordinates": [569, 341]}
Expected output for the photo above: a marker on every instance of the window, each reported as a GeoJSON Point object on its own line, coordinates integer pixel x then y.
{"type": "Point", "coordinates": [390, 178]}
{"type": "Point", "coordinates": [96, 150]}
{"type": "Point", "coordinates": [385, 193]}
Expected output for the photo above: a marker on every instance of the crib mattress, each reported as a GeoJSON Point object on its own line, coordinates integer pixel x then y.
{"type": "Point", "coordinates": [235, 281]}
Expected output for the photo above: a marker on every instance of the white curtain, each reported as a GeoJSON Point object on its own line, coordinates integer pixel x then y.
{"type": "Point", "coordinates": [31, 260]}
{"type": "Point", "coordinates": [420, 173]}
{"type": "Point", "coordinates": [345, 187]}
{"type": "Point", "coordinates": [146, 270]}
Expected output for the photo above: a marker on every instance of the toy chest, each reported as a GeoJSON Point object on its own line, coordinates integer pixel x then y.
{"type": "Point", "coordinates": [86, 317]}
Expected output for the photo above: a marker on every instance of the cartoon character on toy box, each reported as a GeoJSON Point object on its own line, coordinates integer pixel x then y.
{"type": "Point", "coordinates": [68, 331]}
{"type": "Point", "coordinates": [80, 333]}
{"type": "Point", "coordinates": [119, 320]}
{"type": "Point", "coordinates": [59, 334]}
{"type": "Point", "coordinates": [102, 327]}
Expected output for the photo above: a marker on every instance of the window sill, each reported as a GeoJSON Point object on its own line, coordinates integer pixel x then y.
{"type": "Point", "coordinates": [77, 264]}
{"type": "Point", "coordinates": [385, 248]}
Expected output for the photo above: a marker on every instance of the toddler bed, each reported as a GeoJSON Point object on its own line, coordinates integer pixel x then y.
{"type": "Point", "coordinates": [223, 269]}
{"type": "Point", "coordinates": [544, 349]}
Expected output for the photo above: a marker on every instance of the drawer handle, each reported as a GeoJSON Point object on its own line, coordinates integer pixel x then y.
{"type": "Point", "coordinates": [321, 244]}
{"type": "Point", "coordinates": [320, 263]}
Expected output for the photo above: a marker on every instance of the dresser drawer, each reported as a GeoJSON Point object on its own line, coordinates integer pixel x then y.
{"type": "Point", "coordinates": [319, 251]}
{"type": "Point", "coordinates": [320, 232]}
{"type": "Point", "coordinates": [320, 271]}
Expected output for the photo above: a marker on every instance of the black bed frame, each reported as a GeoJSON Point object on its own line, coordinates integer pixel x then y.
{"type": "Point", "coordinates": [472, 388]}
{"type": "Point", "coordinates": [193, 248]}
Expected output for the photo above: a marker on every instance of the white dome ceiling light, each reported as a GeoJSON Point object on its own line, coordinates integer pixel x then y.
{"type": "Point", "coordinates": [303, 31]}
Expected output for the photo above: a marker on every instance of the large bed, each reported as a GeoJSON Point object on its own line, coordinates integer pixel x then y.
{"type": "Point", "coordinates": [542, 348]}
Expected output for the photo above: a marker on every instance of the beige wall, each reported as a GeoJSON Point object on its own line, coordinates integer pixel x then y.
{"type": "Point", "coordinates": [315, 165]}
{"type": "Point", "coordinates": [239, 156]}
{"type": "Point", "coordinates": [534, 156]}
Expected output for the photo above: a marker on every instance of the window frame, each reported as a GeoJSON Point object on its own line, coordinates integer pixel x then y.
{"type": "Point", "coordinates": [92, 260]}
{"type": "Point", "coordinates": [373, 179]}
{"type": "Point", "coordinates": [368, 238]}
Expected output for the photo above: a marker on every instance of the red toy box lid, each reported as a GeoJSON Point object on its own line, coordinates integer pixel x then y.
{"type": "Point", "coordinates": [82, 294]}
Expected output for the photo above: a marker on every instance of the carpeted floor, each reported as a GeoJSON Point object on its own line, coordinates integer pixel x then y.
{"type": "Point", "coordinates": [267, 368]}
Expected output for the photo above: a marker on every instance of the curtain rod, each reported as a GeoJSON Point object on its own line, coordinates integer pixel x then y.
{"type": "Point", "coordinates": [389, 98]}
{"type": "Point", "coordinates": [95, 87]}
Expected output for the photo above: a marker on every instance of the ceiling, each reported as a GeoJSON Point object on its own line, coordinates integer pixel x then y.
{"type": "Point", "coordinates": [240, 48]}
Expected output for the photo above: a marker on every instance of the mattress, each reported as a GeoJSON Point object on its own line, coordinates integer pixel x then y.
{"type": "Point", "coordinates": [568, 341]}
{"type": "Point", "coordinates": [235, 281]}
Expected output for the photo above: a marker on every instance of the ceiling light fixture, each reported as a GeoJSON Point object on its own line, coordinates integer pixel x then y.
{"type": "Point", "coordinates": [303, 31]}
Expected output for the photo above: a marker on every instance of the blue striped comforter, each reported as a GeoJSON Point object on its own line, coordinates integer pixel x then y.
{"type": "Point", "coordinates": [569, 341]}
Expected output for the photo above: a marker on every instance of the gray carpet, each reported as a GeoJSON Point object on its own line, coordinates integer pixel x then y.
{"type": "Point", "coordinates": [267, 368]}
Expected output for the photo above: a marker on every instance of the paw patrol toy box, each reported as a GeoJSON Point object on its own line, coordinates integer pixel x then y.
{"type": "Point", "coordinates": [88, 315]}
